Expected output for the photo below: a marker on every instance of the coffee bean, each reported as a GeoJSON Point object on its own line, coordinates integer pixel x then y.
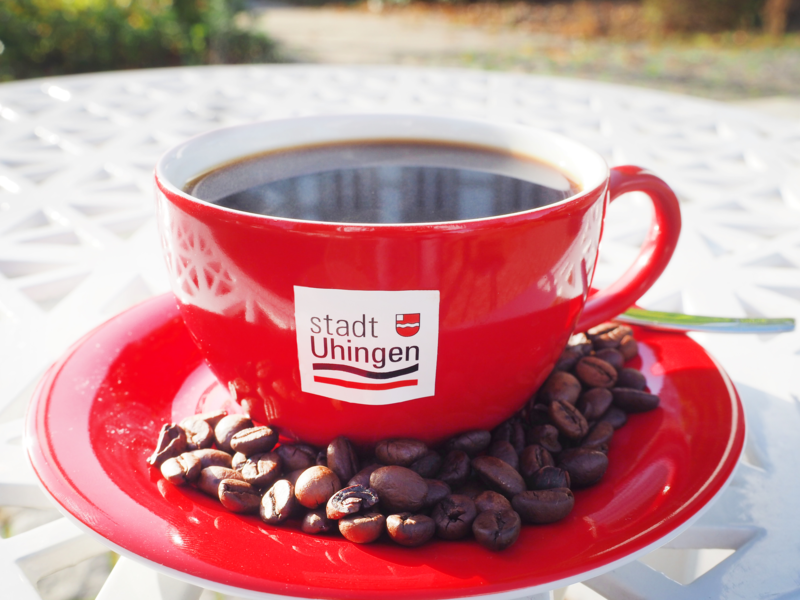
{"type": "Point", "coordinates": [453, 517]}
{"type": "Point", "coordinates": [601, 329]}
{"type": "Point", "coordinates": [341, 458]}
{"type": "Point", "coordinates": [584, 465]}
{"type": "Point", "coordinates": [599, 436]}
{"type": "Point", "coordinates": [293, 476]}
{"type": "Point", "coordinates": [229, 426]}
{"type": "Point", "coordinates": [212, 418]}
{"type": "Point", "coordinates": [594, 403]}
{"type": "Point", "coordinates": [631, 378]}
{"type": "Point", "coordinates": [490, 500]}
{"type": "Point", "coordinates": [254, 440]}
{"type": "Point", "coordinates": [498, 475]}
{"type": "Point", "coordinates": [427, 465]}
{"type": "Point", "coordinates": [278, 502]}
{"type": "Point", "coordinates": [362, 477]}
{"type": "Point", "coordinates": [559, 387]}
{"type": "Point", "coordinates": [437, 491]}
{"type": "Point", "coordinates": [297, 456]}
{"type": "Point", "coordinates": [505, 452]}
{"type": "Point", "coordinates": [533, 458]}
{"type": "Point", "coordinates": [316, 521]}
{"type": "Point", "coordinates": [400, 451]}
{"type": "Point", "coordinates": [315, 486]}
{"type": "Point", "coordinates": [611, 356]}
{"type": "Point", "coordinates": [171, 443]}
{"type": "Point", "coordinates": [400, 489]}
{"type": "Point", "coordinates": [580, 342]}
{"type": "Point", "coordinates": [569, 357]}
{"type": "Point", "coordinates": [545, 436]}
{"type": "Point", "coordinates": [472, 442]}
{"type": "Point", "coordinates": [610, 338]}
{"type": "Point", "coordinates": [455, 469]}
{"type": "Point", "coordinates": [539, 507]}
{"type": "Point", "coordinates": [616, 416]}
{"type": "Point", "coordinates": [628, 347]}
{"type": "Point", "coordinates": [634, 401]}
{"type": "Point", "coordinates": [181, 469]}
{"type": "Point", "coordinates": [362, 528]}
{"type": "Point", "coordinates": [210, 478]}
{"type": "Point", "coordinates": [350, 500]}
{"type": "Point", "coordinates": [199, 434]}
{"type": "Point", "coordinates": [410, 530]}
{"type": "Point", "coordinates": [471, 489]}
{"type": "Point", "coordinates": [497, 529]}
{"type": "Point", "coordinates": [239, 496]}
{"type": "Point", "coordinates": [261, 470]}
{"type": "Point", "coordinates": [510, 431]}
{"type": "Point", "coordinates": [238, 461]}
{"type": "Point", "coordinates": [210, 457]}
{"type": "Point", "coordinates": [568, 420]}
{"type": "Point", "coordinates": [548, 478]}
{"type": "Point", "coordinates": [595, 372]}
{"type": "Point", "coordinates": [538, 415]}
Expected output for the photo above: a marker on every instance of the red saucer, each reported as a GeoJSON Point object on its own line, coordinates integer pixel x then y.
{"type": "Point", "coordinates": [96, 414]}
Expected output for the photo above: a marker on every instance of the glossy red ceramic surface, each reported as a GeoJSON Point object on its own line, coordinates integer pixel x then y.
{"type": "Point", "coordinates": [95, 417]}
{"type": "Point", "coordinates": [512, 289]}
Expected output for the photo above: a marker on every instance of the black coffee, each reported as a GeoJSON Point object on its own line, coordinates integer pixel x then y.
{"type": "Point", "coordinates": [384, 182]}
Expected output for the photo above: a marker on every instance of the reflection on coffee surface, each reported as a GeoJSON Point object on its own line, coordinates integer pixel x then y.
{"type": "Point", "coordinates": [388, 181]}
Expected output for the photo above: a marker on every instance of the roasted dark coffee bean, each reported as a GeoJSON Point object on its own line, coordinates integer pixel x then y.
{"type": "Point", "coordinates": [316, 521]}
{"type": "Point", "coordinates": [510, 431]}
{"type": "Point", "coordinates": [297, 456]}
{"type": "Point", "coordinates": [278, 503]}
{"type": "Point", "coordinates": [628, 347]}
{"type": "Point", "coordinates": [212, 418]}
{"type": "Point", "coordinates": [616, 416]}
{"type": "Point", "coordinates": [471, 489]}
{"type": "Point", "coordinates": [171, 443]}
{"type": "Point", "coordinates": [341, 458]}
{"type": "Point", "coordinates": [545, 436]}
{"type": "Point", "coordinates": [400, 451]}
{"type": "Point", "coordinates": [410, 530]}
{"type": "Point", "coordinates": [568, 420]}
{"type": "Point", "coordinates": [634, 401]}
{"type": "Point", "coordinates": [315, 486]}
{"type": "Point", "coordinates": [595, 372]}
{"type": "Point", "coordinates": [533, 458]}
{"type": "Point", "coordinates": [437, 491]}
{"type": "Point", "coordinates": [539, 507]}
{"type": "Point", "coordinates": [612, 357]}
{"type": "Point", "coordinates": [453, 517]}
{"type": "Point", "coordinates": [362, 477]}
{"type": "Point", "coordinates": [580, 342]}
{"type": "Point", "coordinates": [239, 496]}
{"type": "Point", "coordinates": [490, 500]}
{"type": "Point", "coordinates": [261, 470]}
{"type": "Point", "coordinates": [427, 465]}
{"type": "Point", "coordinates": [350, 500]}
{"type": "Point", "coordinates": [599, 436]}
{"type": "Point", "coordinates": [210, 457]}
{"type": "Point", "coordinates": [238, 460]}
{"type": "Point", "coordinates": [611, 338]}
{"type": "Point", "coordinates": [254, 440]}
{"type": "Point", "coordinates": [199, 434]}
{"type": "Point", "coordinates": [569, 357]}
{"type": "Point", "coordinates": [181, 469]}
{"type": "Point", "coordinates": [505, 452]}
{"type": "Point", "coordinates": [584, 465]}
{"type": "Point", "coordinates": [210, 478]}
{"type": "Point", "coordinates": [601, 329]}
{"type": "Point", "coordinates": [631, 378]}
{"type": "Point", "coordinates": [472, 442]}
{"type": "Point", "coordinates": [455, 469]}
{"type": "Point", "coordinates": [498, 475]}
{"type": "Point", "coordinates": [594, 403]}
{"type": "Point", "coordinates": [548, 478]}
{"type": "Point", "coordinates": [559, 387]}
{"type": "Point", "coordinates": [497, 529]}
{"type": "Point", "coordinates": [399, 489]}
{"type": "Point", "coordinates": [362, 528]}
{"type": "Point", "coordinates": [229, 426]}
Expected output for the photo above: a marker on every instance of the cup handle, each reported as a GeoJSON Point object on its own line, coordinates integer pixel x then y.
{"type": "Point", "coordinates": [656, 251]}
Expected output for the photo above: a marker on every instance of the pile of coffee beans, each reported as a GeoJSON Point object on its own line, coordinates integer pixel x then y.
{"type": "Point", "coordinates": [482, 483]}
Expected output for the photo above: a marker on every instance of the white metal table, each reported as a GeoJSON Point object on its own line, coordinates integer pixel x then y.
{"type": "Point", "coordinates": [78, 244]}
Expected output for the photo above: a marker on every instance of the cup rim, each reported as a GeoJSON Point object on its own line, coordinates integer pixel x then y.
{"type": "Point", "coordinates": [317, 124]}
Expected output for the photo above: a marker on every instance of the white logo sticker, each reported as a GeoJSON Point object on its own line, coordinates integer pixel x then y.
{"type": "Point", "coordinates": [367, 347]}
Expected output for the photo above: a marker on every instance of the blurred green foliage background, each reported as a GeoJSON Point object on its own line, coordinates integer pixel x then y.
{"type": "Point", "coordinates": [52, 37]}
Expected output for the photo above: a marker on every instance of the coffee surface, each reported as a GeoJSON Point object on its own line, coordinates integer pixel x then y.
{"type": "Point", "coordinates": [384, 182]}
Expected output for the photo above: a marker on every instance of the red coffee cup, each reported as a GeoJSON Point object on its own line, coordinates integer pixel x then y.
{"type": "Point", "coordinates": [417, 330]}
